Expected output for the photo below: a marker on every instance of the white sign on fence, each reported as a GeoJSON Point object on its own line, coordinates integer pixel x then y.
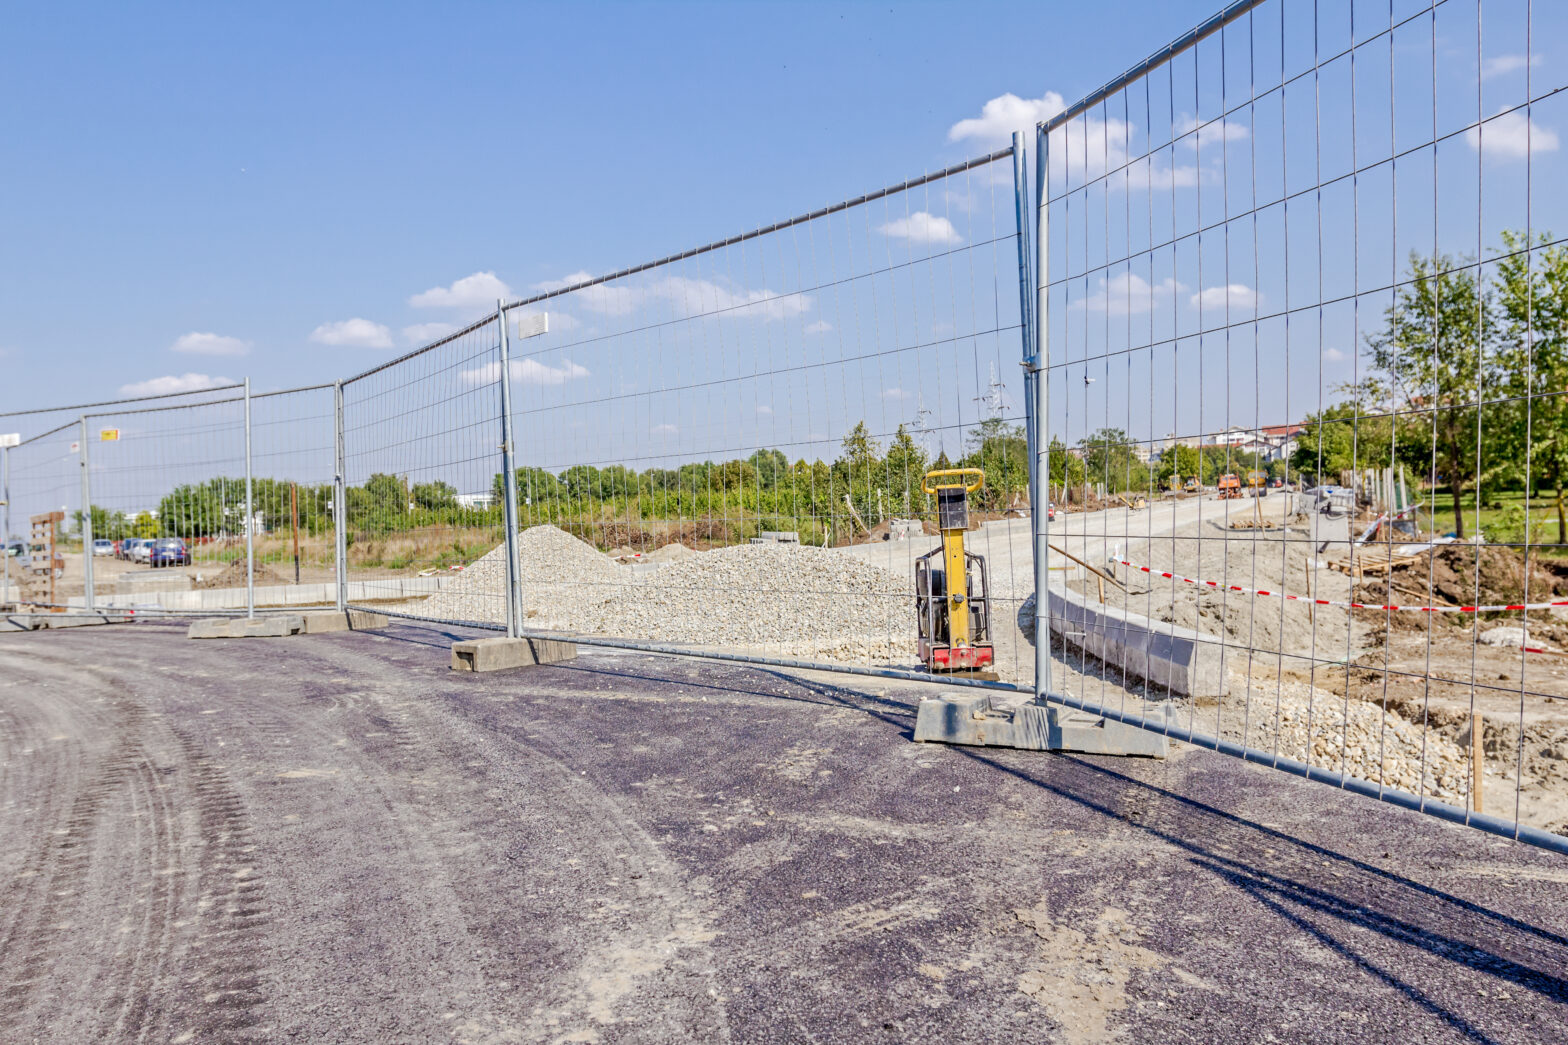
{"type": "Point", "coordinates": [533, 324]}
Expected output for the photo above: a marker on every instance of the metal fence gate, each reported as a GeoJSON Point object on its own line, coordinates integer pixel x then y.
{"type": "Point", "coordinates": [1300, 309]}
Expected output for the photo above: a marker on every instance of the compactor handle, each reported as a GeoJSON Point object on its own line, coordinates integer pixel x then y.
{"type": "Point", "coordinates": [969, 487]}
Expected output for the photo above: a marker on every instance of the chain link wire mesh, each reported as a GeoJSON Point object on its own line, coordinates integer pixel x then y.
{"type": "Point", "coordinates": [1302, 281]}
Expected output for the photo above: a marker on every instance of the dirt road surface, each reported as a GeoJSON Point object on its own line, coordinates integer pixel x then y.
{"type": "Point", "coordinates": [335, 839]}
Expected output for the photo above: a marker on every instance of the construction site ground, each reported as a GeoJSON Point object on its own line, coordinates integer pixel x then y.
{"type": "Point", "coordinates": [336, 838]}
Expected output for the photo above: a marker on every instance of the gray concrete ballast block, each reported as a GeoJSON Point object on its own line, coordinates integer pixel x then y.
{"type": "Point", "coordinates": [324, 622]}
{"type": "Point", "coordinates": [970, 719]}
{"type": "Point", "coordinates": [498, 654]}
{"type": "Point", "coordinates": [273, 627]}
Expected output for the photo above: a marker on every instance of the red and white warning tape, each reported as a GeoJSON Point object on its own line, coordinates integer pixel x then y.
{"type": "Point", "coordinates": [1347, 605]}
{"type": "Point", "coordinates": [1217, 586]}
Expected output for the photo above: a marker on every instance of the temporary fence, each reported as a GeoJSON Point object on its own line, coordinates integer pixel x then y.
{"type": "Point", "coordinates": [423, 466]}
{"type": "Point", "coordinates": [1292, 304]}
{"type": "Point", "coordinates": [1307, 247]}
{"type": "Point", "coordinates": [40, 478]}
{"type": "Point", "coordinates": [772, 400]}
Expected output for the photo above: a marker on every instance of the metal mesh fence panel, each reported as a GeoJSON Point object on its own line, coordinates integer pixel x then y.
{"type": "Point", "coordinates": [43, 479]}
{"type": "Point", "coordinates": [422, 457]}
{"type": "Point", "coordinates": [1300, 290]}
{"type": "Point", "coordinates": [167, 486]}
{"type": "Point", "coordinates": [724, 451]}
{"type": "Point", "coordinates": [293, 466]}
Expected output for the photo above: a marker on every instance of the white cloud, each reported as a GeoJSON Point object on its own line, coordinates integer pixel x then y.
{"type": "Point", "coordinates": [1334, 355]}
{"type": "Point", "coordinates": [199, 344]}
{"type": "Point", "coordinates": [764, 411]}
{"type": "Point", "coordinates": [921, 227]}
{"type": "Point", "coordinates": [821, 326]}
{"type": "Point", "coordinates": [1128, 293]}
{"type": "Point", "coordinates": [683, 295]}
{"type": "Point", "coordinates": [1503, 64]}
{"type": "Point", "coordinates": [356, 332]}
{"type": "Point", "coordinates": [424, 333]}
{"type": "Point", "coordinates": [528, 372]}
{"type": "Point", "coordinates": [1239, 296]}
{"type": "Point", "coordinates": [665, 429]}
{"type": "Point", "coordinates": [1211, 133]}
{"type": "Point", "coordinates": [1003, 115]}
{"type": "Point", "coordinates": [162, 386]}
{"type": "Point", "coordinates": [1511, 136]}
{"type": "Point", "coordinates": [480, 290]}
{"type": "Point", "coordinates": [897, 394]}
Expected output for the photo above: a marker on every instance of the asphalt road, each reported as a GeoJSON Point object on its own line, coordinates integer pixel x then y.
{"type": "Point", "coordinates": [335, 839]}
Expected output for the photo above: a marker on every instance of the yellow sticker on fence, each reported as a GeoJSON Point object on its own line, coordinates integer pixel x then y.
{"type": "Point", "coordinates": [109, 435]}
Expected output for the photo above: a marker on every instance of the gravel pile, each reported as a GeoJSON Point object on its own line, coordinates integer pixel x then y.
{"type": "Point", "coordinates": [562, 577]}
{"type": "Point", "coordinates": [788, 600]}
{"type": "Point", "coordinates": [1376, 745]}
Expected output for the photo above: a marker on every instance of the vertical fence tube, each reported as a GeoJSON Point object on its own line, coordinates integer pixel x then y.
{"type": "Point", "coordinates": [339, 502]}
{"type": "Point", "coordinates": [250, 518]}
{"type": "Point", "coordinates": [1040, 506]}
{"type": "Point", "coordinates": [5, 534]}
{"type": "Point", "coordinates": [87, 525]}
{"type": "Point", "coordinates": [1025, 299]}
{"type": "Point", "coordinates": [514, 602]}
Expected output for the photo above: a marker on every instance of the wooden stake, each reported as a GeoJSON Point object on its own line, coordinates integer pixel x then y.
{"type": "Point", "coordinates": [1312, 610]}
{"type": "Point", "coordinates": [1477, 759]}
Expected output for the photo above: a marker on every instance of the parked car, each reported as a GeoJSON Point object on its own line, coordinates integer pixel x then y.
{"type": "Point", "coordinates": [140, 551]}
{"type": "Point", "coordinates": [124, 549]}
{"type": "Point", "coordinates": [102, 546]}
{"type": "Point", "coordinates": [17, 549]}
{"type": "Point", "coordinates": [168, 551]}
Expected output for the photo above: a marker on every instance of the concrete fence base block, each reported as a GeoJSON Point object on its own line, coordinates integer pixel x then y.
{"type": "Point", "coordinates": [354, 620]}
{"type": "Point", "coordinates": [500, 653]}
{"type": "Point", "coordinates": [274, 627]}
{"type": "Point", "coordinates": [971, 720]}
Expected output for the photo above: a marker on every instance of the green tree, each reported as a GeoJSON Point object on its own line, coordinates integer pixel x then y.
{"type": "Point", "coordinates": [1437, 351]}
{"type": "Point", "coordinates": [1179, 461]}
{"type": "Point", "coordinates": [1534, 303]}
{"type": "Point", "coordinates": [434, 496]}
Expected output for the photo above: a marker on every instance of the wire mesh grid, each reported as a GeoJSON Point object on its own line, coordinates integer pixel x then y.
{"type": "Point", "coordinates": [293, 468]}
{"type": "Point", "coordinates": [43, 478]}
{"type": "Point", "coordinates": [744, 430]}
{"type": "Point", "coordinates": [167, 487]}
{"type": "Point", "coordinates": [1304, 301]}
{"type": "Point", "coordinates": [423, 471]}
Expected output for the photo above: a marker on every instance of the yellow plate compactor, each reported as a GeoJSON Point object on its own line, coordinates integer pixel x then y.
{"type": "Point", "coordinates": [951, 583]}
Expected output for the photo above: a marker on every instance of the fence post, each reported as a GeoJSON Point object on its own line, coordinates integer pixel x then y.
{"type": "Point", "coordinates": [1039, 509]}
{"type": "Point", "coordinates": [1025, 302]}
{"type": "Point", "coordinates": [250, 519]}
{"type": "Point", "coordinates": [339, 502]}
{"type": "Point", "coordinates": [87, 524]}
{"type": "Point", "coordinates": [5, 534]}
{"type": "Point", "coordinates": [514, 602]}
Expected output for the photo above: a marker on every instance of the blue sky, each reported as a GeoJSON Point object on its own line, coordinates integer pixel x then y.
{"type": "Point", "coordinates": [200, 189]}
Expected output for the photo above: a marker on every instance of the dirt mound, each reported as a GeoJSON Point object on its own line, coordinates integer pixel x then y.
{"type": "Point", "coordinates": [1453, 574]}
{"type": "Point", "coordinates": [233, 576]}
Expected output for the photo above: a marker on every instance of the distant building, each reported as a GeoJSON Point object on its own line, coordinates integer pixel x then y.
{"type": "Point", "coordinates": [476, 501]}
